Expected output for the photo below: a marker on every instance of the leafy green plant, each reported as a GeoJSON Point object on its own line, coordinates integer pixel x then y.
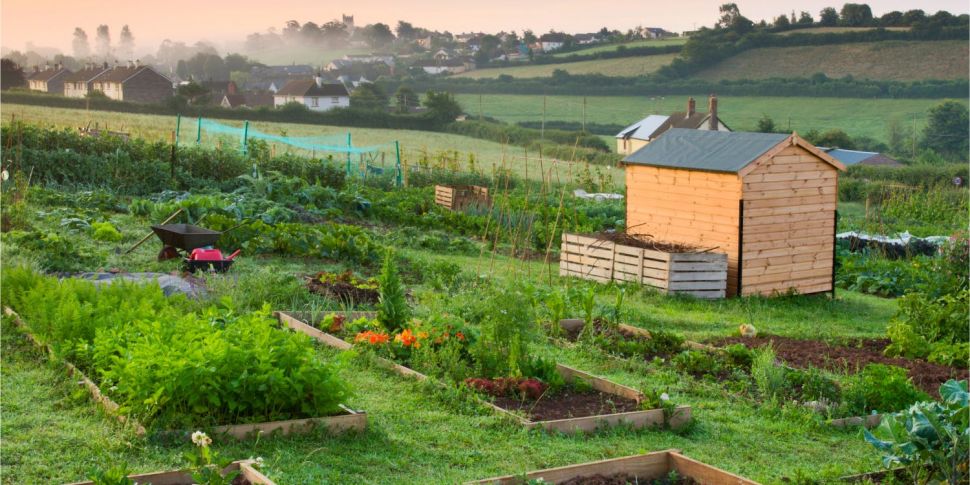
{"type": "Point", "coordinates": [768, 376]}
{"type": "Point", "coordinates": [104, 231]}
{"type": "Point", "coordinates": [697, 363]}
{"type": "Point", "coordinates": [392, 308]}
{"type": "Point", "coordinates": [931, 327]}
{"type": "Point", "coordinates": [205, 465]}
{"type": "Point", "coordinates": [880, 388]}
{"type": "Point", "coordinates": [930, 439]}
{"type": "Point", "coordinates": [116, 475]}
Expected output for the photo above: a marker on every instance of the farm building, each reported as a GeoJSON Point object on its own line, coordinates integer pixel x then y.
{"type": "Point", "coordinates": [767, 200]}
{"type": "Point", "coordinates": [637, 135]}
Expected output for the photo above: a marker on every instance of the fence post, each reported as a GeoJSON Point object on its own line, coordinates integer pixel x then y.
{"type": "Point", "coordinates": [178, 124]}
{"type": "Point", "coordinates": [397, 153]}
{"type": "Point", "coordinates": [245, 139]}
{"type": "Point", "coordinates": [198, 132]}
{"type": "Point", "coordinates": [349, 145]}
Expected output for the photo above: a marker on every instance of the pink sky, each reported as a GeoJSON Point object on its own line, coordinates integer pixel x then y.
{"type": "Point", "coordinates": [51, 22]}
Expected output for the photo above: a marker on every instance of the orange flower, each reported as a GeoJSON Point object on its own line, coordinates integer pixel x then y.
{"type": "Point", "coordinates": [406, 338]}
{"type": "Point", "coordinates": [459, 336]}
{"type": "Point", "coordinates": [422, 335]}
{"type": "Point", "coordinates": [371, 337]}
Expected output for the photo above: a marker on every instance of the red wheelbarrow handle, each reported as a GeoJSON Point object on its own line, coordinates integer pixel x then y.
{"type": "Point", "coordinates": [233, 255]}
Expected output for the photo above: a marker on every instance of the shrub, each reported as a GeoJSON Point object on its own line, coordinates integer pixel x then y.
{"type": "Point", "coordinates": [880, 388]}
{"type": "Point", "coordinates": [931, 328]}
{"type": "Point", "coordinates": [104, 231]}
{"type": "Point", "coordinates": [697, 363]}
{"type": "Point", "coordinates": [392, 308]}
{"type": "Point", "coordinates": [768, 376]}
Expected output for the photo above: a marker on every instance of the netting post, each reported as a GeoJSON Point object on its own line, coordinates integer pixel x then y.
{"type": "Point", "coordinates": [178, 124]}
{"type": "Point", "coordinates": [198, 132]}
{"type": "Point", "coordinates": [349, 145]}
{"type": "Point", "coordinates": [245, 136]}
{"type": "Point", "coordinates": [397, 153]}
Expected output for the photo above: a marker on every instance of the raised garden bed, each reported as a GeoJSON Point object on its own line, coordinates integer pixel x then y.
{"type": "Point", "coordinates": [666, 267]}
{"type": "Point", "coordinates": [344, 287]}
{"type": "Point", "coordinates": [573, 327]}
{"type": "Point", "coordinates": [575, 413]}
{"type": "Point", "coordinates": [800, 353]}
{"type": "Point", "coordinates": [658, 465]}
{"type": "Point", "coordinates": [247, 476]}
{"type": "Point", "coordinates": [352, 420]}
{"type": "Point", "coordinates": [458, 197]}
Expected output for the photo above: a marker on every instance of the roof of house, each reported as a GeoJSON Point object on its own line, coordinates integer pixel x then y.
{"type": "Point", "coordinates": [120, 74]}
{"type": "Point", "coordinates": [309, 87]}
{"type": "Point", "coordinates": [716, 151]}
{"type": "Point", "coordinates": [552, 37]}
{"type": "Point", "coordinates": [853, 157]}
{"type": "Point", "coordinates": [643, 129]}
{"type": "Point", "coordinates": [234, 100]}
{"type": "Point", "coordinates": [85, 75]}
{"type": "Point", "coordinates": [47, 74]}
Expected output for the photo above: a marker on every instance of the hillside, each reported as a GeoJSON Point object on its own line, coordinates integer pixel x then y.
{"type": "Point", "coordinates": [612, 47]}
{"type": "Point", "coordinates": [890, 60]}
{"type": "Point", "coordinates": [624, 66]}
{"type": "Point", "coordinates": [837, 30]}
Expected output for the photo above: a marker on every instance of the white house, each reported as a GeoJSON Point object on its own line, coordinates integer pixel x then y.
{"type": "Point", "coordinates": [641, 133]}
{"type": "Point", "coordinates": [314, 94]}
{"type": "Point", "coordinates": [552, 41]}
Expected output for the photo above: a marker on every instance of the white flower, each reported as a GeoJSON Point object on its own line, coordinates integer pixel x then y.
{"type": "Point", "coordinates": [665, 397]}
{"type": "Point", "coordinates": [201, 439]}
{"type": "Point", "coordinates": [257, 462]}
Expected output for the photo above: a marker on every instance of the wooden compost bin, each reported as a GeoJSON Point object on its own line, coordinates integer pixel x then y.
{"type": "Point", "coordinates": [460, 196]}
{"type": "Point", "coordinates": [767, 200]}
{"type": "Point", "coordinates": [245, 468]}
{"type": "Point", "coordinates": [680, 416]}
{"type": "Point", "coordinates": [700, 274]}
{"type": "Point", "coordinates": [651, 466]}
{"type": "Point", "coordinates": [353, 420]}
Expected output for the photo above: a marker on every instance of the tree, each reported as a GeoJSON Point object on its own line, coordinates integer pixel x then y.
{"type": "Point", "coordinates": [126, 43]}
{"type": "Point", "coordinates": [442, 106]}
{"type": "Point", "coordinates": [946, 130]}
{"type": "Point", "coordinates": [193, 92]}
{"type": "Point", "coordinates": [238, 62]}
{"type": "Point", "coordinates": [765, 124]}
{"type": "Point", "coordinates": [855, 15]}
{"type": "Point", "coordinates": [828, 17]}
{"type": "Point", "coordinates": [214, 68]}
{"type": "Point", "coordinates": [310, 33]}
{"type": "Point", "coordinates": [913, 16]}
{"type": "Point", "coordinates": [80, 44]}
{"type": "Point", "coordinates": [368, 96]}
{"type": "Point", "coordinates": [891, 19]}
{"type": "Point", "coordinates": [11, 75]}
{"type": "Point", "coordinates": [378, 35]}
{"type": "Point", "coordinates": [732, 19]}
{"type": "Point", "coordinates": [529, 38]}
{"type": "Point", "coordinates": [334, 34]}
{"type": "Point", "coordinates": [805, 18]}
{"type": "Point", "coordinates": [102, 42]}
{"type": "Point", "coordinates": [405, 30]}
{"type": "Point", "coordinates": [834, 138]}
{"type": "Point", "coordinates": [406, 99]}
{"type": "Point", "coordinates": [782, 23]}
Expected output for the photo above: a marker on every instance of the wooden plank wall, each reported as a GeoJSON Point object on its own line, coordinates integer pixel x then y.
{"type": "Point", "coordinates": [789, 224]}
{"type": "Point", "coordinates": [685, 206]}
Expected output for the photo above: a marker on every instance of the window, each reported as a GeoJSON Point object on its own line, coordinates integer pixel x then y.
{"type": "Point", "coordinates": [335, 100]}
{"type": "Point", "coordinates": [315, 101]}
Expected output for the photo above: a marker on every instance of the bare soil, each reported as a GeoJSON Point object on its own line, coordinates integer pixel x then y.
{"type": "Point", "coordinates": [342, 291]}
{"type": "Point", "coordinates": [569, 403]}
{"type": "Point", "coordinates": [626, 479]}
{"type": "Point", "coordinates": [851, 358]}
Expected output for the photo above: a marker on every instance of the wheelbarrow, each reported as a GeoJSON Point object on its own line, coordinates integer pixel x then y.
{"type": "Point", "coordinates": [209, 260]}
{"type": "Point", "coordinates": [185, 237]}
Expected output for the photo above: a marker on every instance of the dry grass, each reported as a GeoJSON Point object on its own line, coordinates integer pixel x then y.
{"type": "Point", "coordinates": [624, 66]}
{"type": "Point", "coordinates": [889, 60]}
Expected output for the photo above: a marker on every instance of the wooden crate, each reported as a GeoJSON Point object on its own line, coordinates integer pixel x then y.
{"type": "Point", "coordinates": [179, 477]}
{"type": "Point", "coordinates": [650, 466]}
{"type": "Point", "coordinates": [637, 419]}
{"type": "Point", "coordinates": [352, 420]}
{"type": "Point", "coordinates": [699, 274]}
{"type": "Point", "coordinates": [461, 196]}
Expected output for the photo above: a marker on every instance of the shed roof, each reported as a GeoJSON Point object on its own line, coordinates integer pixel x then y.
{"type": "Point", "coordinates": [643, 129]}
{"type": "Point", "coordinates": [717, 151]}
{"type": "Point", "coordinates": [854, 157]}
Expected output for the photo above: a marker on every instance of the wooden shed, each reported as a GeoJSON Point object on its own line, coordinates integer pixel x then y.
{"type": "Point", "coordinates": [767, 200]}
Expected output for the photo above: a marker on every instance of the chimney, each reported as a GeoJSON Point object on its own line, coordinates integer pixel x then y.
{"type": "Point", "coordinates": [131, 63]}
{"type": "Point", "coordinates": [712, 108]}
{"type": "Point", "coordinates": [36, 68]}
{"type": "Point", "coordinates": [105, 65]}
{"type": "Point", "coordinates": [318, 79]}
{"type": "Point", "coordinates": [691, 106]}
{"type": "Point", "coordinates": [231, 88]}
{"type": "Point", "coordinates": [137, 62]}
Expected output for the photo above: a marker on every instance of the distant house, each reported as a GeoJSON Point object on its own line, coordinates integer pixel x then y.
{"type": "Point", "coordinates": [450, 66]}
{"type": "Point", "coordinates": [425, 42]}
{"type": "Point", "coordinates": [639, 134]}
{"type": "Point", "coordinates": [552, 41]}
{"type": "Point", "coordinates": [313, 94]}
{"type": "Point", "coordinates": [444, 55]}
{"type": "Point", "coordinates": [655, 33]}
{"type": "Point", "coordinates": [586, 38]}
{"type": "Point", "coordinates": [273, 78]}
{"type": "Point", "coordinates": [370, 59]}
{"type": "Point", "coordinates": [855, 157]}
{"type": "Point", "coordinates": [246, 100]}
{"type": "Point", "coordinates": [48, 80]}
{"type": "Point", "coordinates": [78, 84]}
{"type": "Point", "coordinates": [135, 83]}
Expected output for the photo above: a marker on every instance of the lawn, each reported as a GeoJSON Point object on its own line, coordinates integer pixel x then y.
{"type": "Point", "coordinates": [858, 117]}
{"type": "Point", "coordinates": [623, 66]}
{"type": "Point", "coordinates": [415, 145]}
{"type": "Point", "coordinates": [889, 60]}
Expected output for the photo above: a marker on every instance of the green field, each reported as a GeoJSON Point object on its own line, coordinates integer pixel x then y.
{"type": "Point", "coordinates": [415, 145]}
{"type": "Point", "coordinates": [613, 47]}
{"type": "Point", "coordinates": [892, 60]}
{"type": "Point", "coordinates": [837, 30]}
{"type": "Point", "coordinates": [622, 66]}
{"type": "Point", "coordinates": [858, 117]}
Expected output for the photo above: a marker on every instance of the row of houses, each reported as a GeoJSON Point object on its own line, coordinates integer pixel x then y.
{"type": "Point", "coordinates": [131, 82]}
